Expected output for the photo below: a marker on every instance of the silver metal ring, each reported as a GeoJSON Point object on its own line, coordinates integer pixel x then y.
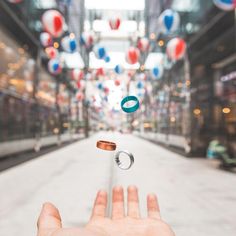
{"type": "Point", "coordinates": [119, 163]}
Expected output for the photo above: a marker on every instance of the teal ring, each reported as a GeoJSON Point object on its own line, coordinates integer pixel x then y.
{"type": "Point", "coordinates": [130, 109]}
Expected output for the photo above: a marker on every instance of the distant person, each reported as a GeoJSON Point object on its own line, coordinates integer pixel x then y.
{"type": "Point", "coordinates": [49, 222]}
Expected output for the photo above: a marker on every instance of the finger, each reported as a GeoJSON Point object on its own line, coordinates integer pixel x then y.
{"type": "Point", "coordinates": [133, 202]}
{"type": "Point", "coordinates": [100, 204]}
{"type": "Point", "coordinates": [153, 207]}
{"type": "Point", "coordinates": [118, 210]}
{"type": "Point", "coordinates": [49, 217]}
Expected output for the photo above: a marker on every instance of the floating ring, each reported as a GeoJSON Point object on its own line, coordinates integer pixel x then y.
{"type": "Point", "coordinates": [119, 163]}
{"type": "Point", "coordinates": [132, 108]}
{"type": "Point", "coordinates": [106, 145]}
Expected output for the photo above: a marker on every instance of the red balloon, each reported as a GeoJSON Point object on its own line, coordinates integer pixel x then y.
{"type": "Point", "coordinates": [77, 74]}
{"type": "Point", "coordinates": [143, 44]}
{"type": "Point", "coordinates": [106, 90]}
{"type": "Point", "coordinates": [100, 72]}
{"type": "Point", "coordinates": [117, 82]}
{"type": "Point", "coordinates": [176, 48]}
{"type": "Point", "coordinates": [52, 52]}
{"type": "Point", "coordinates": [132, 55]}
{"type": "Point", "coordinates": [114, 23]}
{"type": "Point", "coordinates": [80, 96]}
{"type": "Point", "coordinates": [53, 22]}
{"type": "Point", "coordinates": [80, 84]}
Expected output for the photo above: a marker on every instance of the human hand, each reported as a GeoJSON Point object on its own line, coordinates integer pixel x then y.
{"type": "Point", "coordinates": [49, 223]}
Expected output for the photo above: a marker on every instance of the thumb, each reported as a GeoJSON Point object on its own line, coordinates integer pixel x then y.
{"type": "Point", "coordinates": [49, 217]}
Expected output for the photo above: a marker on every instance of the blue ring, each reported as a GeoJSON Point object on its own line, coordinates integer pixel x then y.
{"type": "Point", "coordinates": [130, 109]}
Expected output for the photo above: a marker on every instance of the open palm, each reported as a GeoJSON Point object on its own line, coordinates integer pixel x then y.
{"type": "Point", "coordinates": [132, 224]}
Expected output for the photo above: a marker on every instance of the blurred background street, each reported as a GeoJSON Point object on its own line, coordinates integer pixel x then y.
{"type": "Point", "coordinates": [156, 77]}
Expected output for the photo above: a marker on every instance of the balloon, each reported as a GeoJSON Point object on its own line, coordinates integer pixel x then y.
{"type": "Point", "coordinates": [107, 59]}
{"type": "Point", "coordinates": [86, 39]}
{"type": "Point", "coordinates": [118, 69]}
{"type": "Point", "coordinates": [106, 90]}
{"type": "Point", "coordinates": [140, 85]}
{"type": "Point", "coordinates": [143, 76]}
{"type": "Point", "coordinates": [52, 52]}
{"type": "Point", "coordinates": [53, 22]}
{"type": "Point", "coordinates": [15, 1]}
{"type": "Point", "coordinates": [132, 55]}
{"type": "Point", "coordinates": [100, 72]}
{"type": "Point", "coordinates": [176, 48]}
{"type": "Point", "coordinates": [143, 44]}
{"type": "Point", "coordinates": [117, 82]}
{"type": "Point", "coordinates": [100, 86]}
{"type": "Point", "coordinates": [169, 21]}
{"type": "Point", "coordinates": [54, 66]}
{"type": "Point", "coordinates": [226, 5]}
{"type": "Point", "coordinates": [77, 74]}
{"type": "Point", "coordinates": [81, 84]}
{"type": "Point", "coordinates": [69, 44]}
{"type": "Point", "coordinates": [157, 72]}
{"type": "Point", "coordinates": [114, 23]}
{"type": "Point", "coordinates": [100, 52]}
{"type": "Point", "coordinates": [45, 39]}
{"type": "Point", "coordinates": [80, 96]}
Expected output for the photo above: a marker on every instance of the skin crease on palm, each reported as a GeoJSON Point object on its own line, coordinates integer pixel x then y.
{"type": "Point", "coordinates": [119, 224]}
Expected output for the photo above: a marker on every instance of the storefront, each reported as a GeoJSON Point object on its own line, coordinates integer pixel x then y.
{"type": "Point", "coordinates": [17, 70]}
{"type": "Point", "coordinates": [225, 106]}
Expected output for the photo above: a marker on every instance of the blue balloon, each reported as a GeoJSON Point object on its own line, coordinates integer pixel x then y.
{"type": "Point", "coordinates": [140, 85]}
{"type": "Point", "coordinates": [55, 66]}
{"type": "Point", "coordinates": [107, 59]}
{"type": "Point", "coordinates": [226, 5]}
{"type": "Point", "coordinates": [168, 20]}
{"type": "Point", "coordinates": [155, 71]}
{"type": "Point", "coordinates": [72, 45]}
{"type": "Point", "coordinates": [118, 69]}
{"type": "Point", "coordinates": [100, 86]}
{"type": "Point", "coordinates": [101, 52]}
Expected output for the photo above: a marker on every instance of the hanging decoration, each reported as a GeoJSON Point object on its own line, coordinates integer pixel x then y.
{"type": "Point", "coordinates": [157, 72]}
{"type": "Point", "coordinates": [81, 84]}
{"type": "Point", "coordinates": [54, 66]}
{"type": "Point", "coordinates": [107, 59]}
{"type": "Point", "coordinates": [143, 44]}
{"type": "Point", "coordinates": [100, 86]}
{"type": "Point", "coordinates": [226, 5]}
{"type": "Point", "coordinates": [169, 21]}
{"type": "Point", "coordinates": [53, 22]}
{"type": "Point", "coordinates": [100, 72]}
{"type": "Point", "coordinates": [176, 48]}
{"type": "Point", "coordinates": [118, 69]}
{"type": "Point", "coordinates": [52, 52]}
{"type": "Point", "coordinates": [86, 39]}
{"type": "Point", "coordinates": [77, 74]}
{"type": "Point", "coordinates": [69, 44]}
{"type": "Point", "coordinates": [80, 96]}
{"type": "Point", "coordinates": [132, 55]}
{"type": "Point", "coordinates": [100, 52]}
{"type": "Point", "coordinates": [45, 39]}
{"type": "Point", "coordinates": [106, 90]}
{"type": "Point", "coordinates": [140, 85]}
{"type": "Point", "coordinates": [114, 23]}
{"type": "Point", "coordinates": [117, 82]}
